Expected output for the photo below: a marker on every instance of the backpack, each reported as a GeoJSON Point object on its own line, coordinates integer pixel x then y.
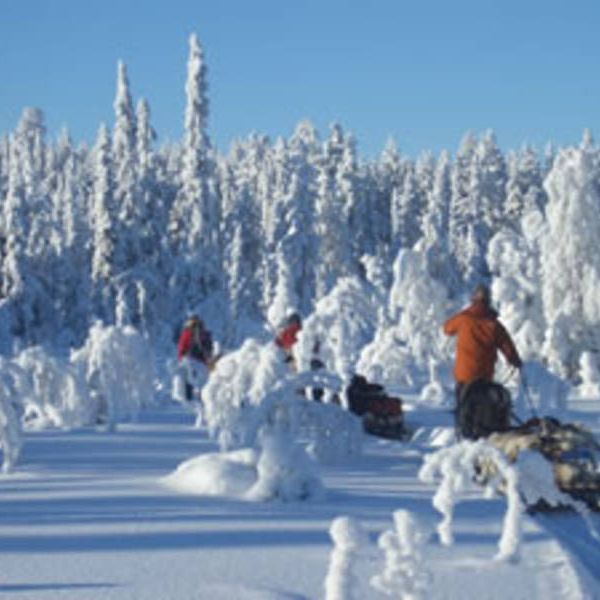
{"type": "Point", "coordinates": [483, 408]}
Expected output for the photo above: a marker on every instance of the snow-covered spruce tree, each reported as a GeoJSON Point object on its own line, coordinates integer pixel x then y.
{"type": "Point", "coordinates": [406, 206]}
{"type": "Point", "coordinates": [242, 236]}
{"type": "Point", "coordinates": [285, 300]}
{"type": "Point", "coordinates": [570, 264]}
{"type": "Point", "coordinates": [194, 215]}
{"type": "Point", "coordinates": [349, 541]}
{"type": "Point", "coordinates": [12, 385]}
{"type": "Point", "coordinates": [514, 260]}
{"type": "Point", "coordinates": [354, 185]}
{"type": "Point", "coordinates": [274, 189]}
{"type": "Point", "coordinates": [405, 575]}
{"type": "Point", "coordinates": [126, 197]}
{"type": "Point", "coordinates": [103, 228]}
{"type": "Point", "coordinates": [409, 337]}
{"type": "Point", "coordinates": [461, 210]}
{"type": "Point", "coordinates": [299, 244]}
{"type": "Point", "coordinates": [524, 187]}
{"type": "Point", "coordinates": [388, 175]}
{"type": "Point", "coordinates": [15, 225]}
{"type": "Point", "coordinates": [27, 232]}
{"type": "Point", "coordinates": [469, 231]}
{"type": "Point", "coordinates": [4, 158]}
{"type": "Point", "coordinates": [334, 203]}
{"type": "Point", "coordinates": [57, 394]}
{"type": "Point", "coordinates": [71, 274]}
{"type": "Point", "coordinates": [342, 323]}
{"type": "Point", "coordinates": [148, 278]}
{"type": "Point", "coordinates": [30, 147]}
{"type": "Point", "coordinates": [118, 366]}
{"type": "Point", "coordinates": [492, 182]}
{"type": "Point", "coordinates": [434, 242]}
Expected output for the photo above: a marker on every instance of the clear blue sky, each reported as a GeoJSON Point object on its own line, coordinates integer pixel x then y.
{"type": "Point", "coordinates": [423, 72]}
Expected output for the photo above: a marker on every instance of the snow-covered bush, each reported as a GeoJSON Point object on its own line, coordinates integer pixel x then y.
{"type": "Point", "coordinates": [252, 389]}
{"type": "Point", "coordinates": [285, 471]}
{"type": "Point", "coordinates": [253, 399]}
{"type": "Point", "coordinates": [342, 323]}
{"type": "Point", "coordinates": [12, 385]}
{"type": "Point", "coordinates": [349, 539]}
{"type": "Point", "coordinates": [513, 258]}
{"type": "Point", "coordinates": [405, 575]}
{"type": "Point", "coordinates": [408, 345]}
{"type": "Point", "coordinates": [118, 365]}
{"type": "Point", "coordinates": [589, 374]}
{"type": "Point", "coordinates": [537, 482]}
{"type": "Point", "coordinates": [455, 468]}
{"type": "Point", "coordinates": [58, 395]}
{"type": "Point", "coordinates": [235, 391]}
{"type": "Point", "coordinates": [418, 305]}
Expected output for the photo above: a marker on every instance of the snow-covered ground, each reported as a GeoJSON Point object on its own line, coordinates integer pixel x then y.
{"type": "Point", "coordinates": [88, 515]}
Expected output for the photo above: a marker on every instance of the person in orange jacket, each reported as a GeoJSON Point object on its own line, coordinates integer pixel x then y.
{"type": "Point", "coordinates": [479, 337]}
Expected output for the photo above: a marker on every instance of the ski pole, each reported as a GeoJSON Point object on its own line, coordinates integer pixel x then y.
{"type": "Point", "coordinates": [528, 399]}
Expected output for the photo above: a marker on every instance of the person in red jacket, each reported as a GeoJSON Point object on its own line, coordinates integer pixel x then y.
{"type": "Point", "coordinates": [288, 336]}
{"type": "Point", "coordinates": [195, 343]}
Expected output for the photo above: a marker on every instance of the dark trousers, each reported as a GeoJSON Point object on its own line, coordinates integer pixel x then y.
{"type": "Point", "coordinates": [458, 389]}
{"type": "Point", "coordinates": [189, 391]}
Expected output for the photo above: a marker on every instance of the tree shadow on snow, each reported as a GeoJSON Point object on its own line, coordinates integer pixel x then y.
{"type": "Point", "coordinates": [49, 587]}
{"type": "Point", "coordinates": [165, 540]}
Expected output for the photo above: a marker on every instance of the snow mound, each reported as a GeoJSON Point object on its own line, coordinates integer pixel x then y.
{"type": "Point", "coordinates": [218, 474]}
{"type": "Point", "coordinates": [281, 470]}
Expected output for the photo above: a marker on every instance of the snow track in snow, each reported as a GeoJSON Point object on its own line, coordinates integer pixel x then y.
{"type": "Point", "coordinates": [572, 533]}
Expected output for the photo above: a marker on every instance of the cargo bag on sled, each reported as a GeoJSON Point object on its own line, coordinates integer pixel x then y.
{"type": "Point", "coordinates": [483, 408]}
{"type": "Point", "coordinates": [381, 414]}
{"type": "Point", "coordinates": [571, 449]}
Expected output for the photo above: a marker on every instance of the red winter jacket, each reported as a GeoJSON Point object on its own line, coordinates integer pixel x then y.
{"type": "Point", "coordinates": [198, 347]}
{"type": "Point", "coordinates": [287, 337]}
{"type": "Point", "coordinates": [479, 336]}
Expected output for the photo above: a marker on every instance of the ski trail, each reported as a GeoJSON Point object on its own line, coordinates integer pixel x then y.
{"type": "Point", "coordinates": [571, 532]}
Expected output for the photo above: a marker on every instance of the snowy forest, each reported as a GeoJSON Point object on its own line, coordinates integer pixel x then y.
{"type": "Point", "coordinates": [130, 233]}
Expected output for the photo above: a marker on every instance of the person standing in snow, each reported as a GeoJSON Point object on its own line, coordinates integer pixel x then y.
{"type": "Point", "coordinates": [479, 336]}
{"type": "Point", "coordinates": [195, 347]}
{"type": "Point", "coordinates": [288, 336]}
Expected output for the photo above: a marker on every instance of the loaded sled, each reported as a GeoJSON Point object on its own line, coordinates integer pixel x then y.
{"type": "Point", "coordinates": [484, 410]}
{"type": "Point", "coordinates": [381, 414]}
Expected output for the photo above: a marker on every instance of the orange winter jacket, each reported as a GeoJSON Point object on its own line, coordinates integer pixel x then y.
{"type": "Point", "coordinates": [479, 336]}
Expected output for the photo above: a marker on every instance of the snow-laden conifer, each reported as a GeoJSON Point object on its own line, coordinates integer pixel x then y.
{"type": "Point", "coordinates": [570, 266]}
{"type": "Point", "coordinates": [118, 366]}
{"type": "Point", "coordinates": [405, 575]}
{"type": "Point", "coordinates": [514, 260]}
{"type": "Point", "coordinates": [349, 541]}
{"type": "Point", "coordinates": [335, 199]}
{"type": "Point", "coordinates": [103, 266]}
{"type": "Point", "coordinates": [57, 395]}
{"type": "Point", "coordinates": [12, 384]}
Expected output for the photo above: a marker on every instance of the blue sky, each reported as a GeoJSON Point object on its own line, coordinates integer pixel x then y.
{"type": "Point", "coordinates": [423, 72]}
